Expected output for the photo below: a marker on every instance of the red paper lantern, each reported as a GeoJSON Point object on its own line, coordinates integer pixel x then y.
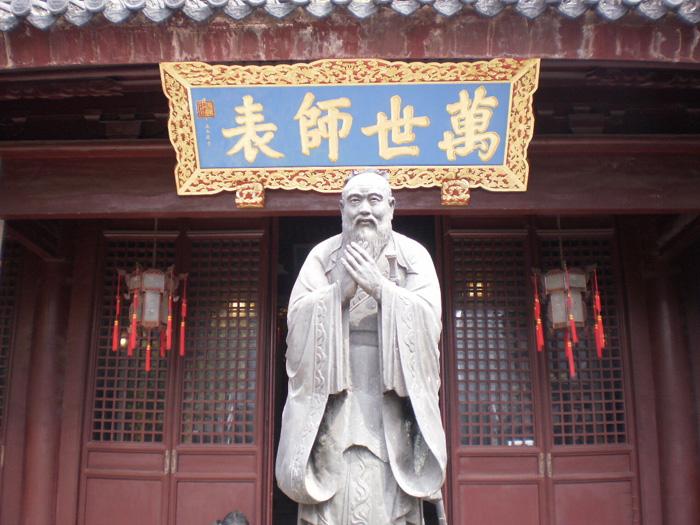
{"type": "Point", "coordinates": [564, 291]}
{"type": "Point", "coordinates": [152, 293]}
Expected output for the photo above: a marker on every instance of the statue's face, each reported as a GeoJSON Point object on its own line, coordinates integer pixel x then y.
{"type": "Point", "coordinates": [367, 206]}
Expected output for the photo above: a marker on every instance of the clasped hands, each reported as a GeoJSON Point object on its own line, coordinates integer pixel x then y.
{"type": "Point", "coordinates": [360, 270]}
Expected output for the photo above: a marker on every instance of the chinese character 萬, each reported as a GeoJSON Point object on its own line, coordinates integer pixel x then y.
{"type": "Point", "coordinates": [250, 122]}
{"type": "Point", "coordinates": [470, 121]}
{"type": "Point", "coordinates": [332, 126]}
{"type": "Point", "coordinates": [401, 127]}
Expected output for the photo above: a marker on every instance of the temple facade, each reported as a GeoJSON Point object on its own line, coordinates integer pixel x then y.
{"type": "Point", "coordinates": [88, 436]}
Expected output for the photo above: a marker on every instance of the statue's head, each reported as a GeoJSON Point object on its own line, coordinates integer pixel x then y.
{"type": "Point", "coordinates": [367, 207]}
{"type": "Point", "coordinates": [233, 518]}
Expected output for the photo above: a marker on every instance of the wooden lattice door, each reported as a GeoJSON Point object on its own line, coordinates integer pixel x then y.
{"type": "Point", "coordinates": [216, 460]}
{"type": "Point", "coordinates": [124, 468]}
{"type": "Point", "coordinates": [590, 462]}
{"type": "Point", "coordinates": [529, 444]}
{"type": "Point", "coordinates": [180, 444]}
{"type": "Point", "coordinates": [496, 435]}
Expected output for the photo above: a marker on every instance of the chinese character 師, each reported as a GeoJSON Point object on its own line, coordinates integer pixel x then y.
{"type": "Point", "coordinates": [470, 121]}
{"type": "Point", "coordinates": [401, 128]}
{"type": "Point", "coordinates": [251, 124]}
{"type": "Point", "coordinates": [333, 126]}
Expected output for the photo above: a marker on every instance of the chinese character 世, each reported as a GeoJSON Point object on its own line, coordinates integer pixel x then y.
{"type": "Point", "coordinates": [205, 108]}
{"type": "Point", "coordinates": [401, 128]}
{"type": "Point", "coordinates": [333, 126]}
{"type": "Point", "coordinates": [250, 120]}
{"type": "Point", "coordinates": [470, 120]}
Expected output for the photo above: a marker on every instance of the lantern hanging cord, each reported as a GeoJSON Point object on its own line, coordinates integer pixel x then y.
{"type": "Point", "coordinates": [155, 241]}
{"type": "Point", "coordinates": [561, 244]}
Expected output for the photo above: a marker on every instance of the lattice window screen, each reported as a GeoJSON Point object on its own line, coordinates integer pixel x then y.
{"type": "Point", "coordinates": [589, 409]}
{"type": "Point", "coordinates": [129, 403]}
{"type": "Point", "coordinates": [220, 371]}
{"type": "Point", "coordinates": [491, 322]}
{"type": "Point", "coordinates": [9, 287]}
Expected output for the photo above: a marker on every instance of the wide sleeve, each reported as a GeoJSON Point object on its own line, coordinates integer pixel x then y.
{"type": "Point", "coordinates": [317, 368]}
{"type": "Point", "coordinates": [410, 329]}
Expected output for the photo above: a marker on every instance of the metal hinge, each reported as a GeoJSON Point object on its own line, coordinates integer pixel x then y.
{"type": "Point", "coordinates": [166, 467]}
{"type": "Point", "coordinates": [549, 464]}
{"type": "Point", "coordinates": [540, 464]}
{"type": "Point", "coordinates": [173, 461]}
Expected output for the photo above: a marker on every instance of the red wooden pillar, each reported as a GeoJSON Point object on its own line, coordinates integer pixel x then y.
{"type": "Point", "coordinates": [42, 432]}
{"type": "Point", "coordinates": [678, 434]}
{"type": "Point", "coordinates": [2, 238]}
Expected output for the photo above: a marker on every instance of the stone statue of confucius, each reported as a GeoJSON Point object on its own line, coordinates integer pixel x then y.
{"type": "Point", "coordinates": [362, 438]}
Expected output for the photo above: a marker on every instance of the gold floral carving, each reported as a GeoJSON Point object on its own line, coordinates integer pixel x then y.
{"type": "Point", "coordinates": [455, 193]}
{"type": "Point", "coordinates": [250, 183]}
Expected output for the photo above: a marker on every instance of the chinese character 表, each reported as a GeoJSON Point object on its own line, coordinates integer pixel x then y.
{"type": "Point", "coordinates": [250, 122]}
{"type": "Point", "coordinates": [470, 120]}
{"type": "Point", "coordinates": [401, 126]}
{"type": "Point", "coordinates": [313, 127]}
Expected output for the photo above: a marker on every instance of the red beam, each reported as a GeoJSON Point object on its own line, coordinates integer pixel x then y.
{"type": "Point", "coordinates": [145, 187]}
{"type": "Point", "coordinates": [387, 34]}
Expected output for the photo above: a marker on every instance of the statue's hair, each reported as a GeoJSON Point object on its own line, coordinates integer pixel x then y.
{"type": "Point", "coordinates": [233, 518]}
{"type": "Point", "coordinates": [382, 173]}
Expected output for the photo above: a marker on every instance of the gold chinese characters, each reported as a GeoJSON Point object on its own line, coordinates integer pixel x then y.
{"type": "Point", "coordinates": [250, 122]}
{"type": "Point", "coordinates": [401, 130]}
{"type": "Point", "coordinates": [331, 121]}
{"type": "Point", "coordinates": [470, 119]}
{"type": "Point", "coordinates": [333, 126]}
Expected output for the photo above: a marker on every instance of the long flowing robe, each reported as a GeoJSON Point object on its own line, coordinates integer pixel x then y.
{"type": "Point", "coordinates": [310, 464]}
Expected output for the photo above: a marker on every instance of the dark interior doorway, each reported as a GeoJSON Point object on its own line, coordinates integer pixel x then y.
{"type": "Point", "coordinates": [297, 235]}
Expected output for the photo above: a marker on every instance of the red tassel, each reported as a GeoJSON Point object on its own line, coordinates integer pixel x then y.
{"type": "Point", "coordinates": [115, 336]}
{"type": "Point", "coordinates": [118, 311]}
{"type": "Point", "coordinates": [169, 329]}
{"type": "Point", "coordinates": [539, 332]}
{"type": "Point", "coordinates": [596, 292]}
{"type": "Point", "coordinates": [182, 338]}
{"type": "Point", "coordinates": [183, 316]}
{"type": "Point", "coordinates": [570, 308]}
{"type": "Point", "coordinates": [148, 356]}
{"type": "Point", "coordinates": [133, 329]}
{"type": "Point", "coordinates": [162, 343]}
{"type": "Point", "coordinates": [540, 335]}
{"type": "Point", "coordinates": [572, 328]}
{"type": "Point", "coordinates": [570, 355]}
{"type": "Point", "coordinates": [599, 336]}
{"type": "Point", "coordinates": [598, 328]}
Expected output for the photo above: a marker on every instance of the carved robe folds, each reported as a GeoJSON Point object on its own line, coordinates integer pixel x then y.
{"type": "Point", "coordinates": [361, 427]}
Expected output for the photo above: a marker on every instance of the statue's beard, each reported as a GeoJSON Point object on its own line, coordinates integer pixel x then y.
{"type": "Point", "coordinates": [373, 237]}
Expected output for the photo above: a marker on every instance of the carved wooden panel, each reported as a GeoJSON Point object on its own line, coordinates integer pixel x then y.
{"type": "Point", "coordinates": [613, 503]}
{"type": "Point", "coordinates": [490, 309]}
{"type": "Point", "coordinates": [129, 403]}
{"type": "Point", "coordinates": [219, 400]}
{"type": "Point", "coordinates": [590, 408]}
